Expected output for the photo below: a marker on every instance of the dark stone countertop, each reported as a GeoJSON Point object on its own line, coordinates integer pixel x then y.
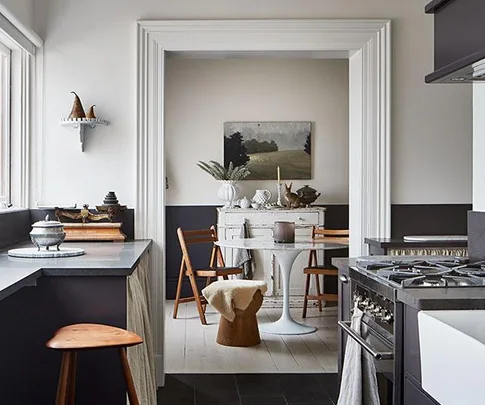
{"type": "Point", "coordinates": [101, 259]}
{"type": "Point", "coordinates": [443, 298]}
{"type": "Point", "coordinates": [341, 262]}
{"type": "Point", "coordinates": [456, 298]}
{"type": "Point", "coordinates": [401, 243]}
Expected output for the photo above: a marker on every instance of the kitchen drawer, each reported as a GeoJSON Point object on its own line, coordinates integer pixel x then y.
{"type": "Point", "coordinates": [268, 218]}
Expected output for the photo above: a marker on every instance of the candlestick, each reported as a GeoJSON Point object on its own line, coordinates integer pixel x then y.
{"type": "Point", "coordinates": [278, 201]}
{"type": "Point", "coordinates": [278, 172]}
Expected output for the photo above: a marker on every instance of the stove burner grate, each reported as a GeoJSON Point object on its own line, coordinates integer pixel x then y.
{"type": "Point", "coordinates": [456, 272]}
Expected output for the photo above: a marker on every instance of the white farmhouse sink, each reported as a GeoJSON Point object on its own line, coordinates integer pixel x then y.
{"type": "Point", "coordinates": [452, 345]}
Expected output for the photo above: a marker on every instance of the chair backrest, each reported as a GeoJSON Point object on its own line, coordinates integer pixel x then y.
{"type": "Point", "coordinates": [200, 236]}
{"type": "Point", "coordinates": [329, 236]}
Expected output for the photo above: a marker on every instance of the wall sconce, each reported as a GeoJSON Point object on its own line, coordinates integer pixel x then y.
{"type": "Point", "coordinates": [79, 120]}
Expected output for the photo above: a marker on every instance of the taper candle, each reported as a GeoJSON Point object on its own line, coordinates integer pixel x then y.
{"type": "Point", "coordinates": [278, 171]}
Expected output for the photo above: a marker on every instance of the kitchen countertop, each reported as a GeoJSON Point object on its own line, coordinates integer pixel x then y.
{"type": "Point", "coordinates": [100, 259]}
{"type": "Point", "coordinates": [443, 298]}
{"type": "Point", "coordinates": [456, 298]}
{"type": "Point", "coordinates": [401, 243]}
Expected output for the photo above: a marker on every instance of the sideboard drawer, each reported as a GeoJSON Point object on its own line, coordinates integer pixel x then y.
{"type": "Point", "coordinates": [267, 218]}
{"type": "Point", "coordinates": [304, 218]}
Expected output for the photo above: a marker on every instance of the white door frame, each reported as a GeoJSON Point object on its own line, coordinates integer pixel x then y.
{"type": "Point", "coordinates": [368, 45]}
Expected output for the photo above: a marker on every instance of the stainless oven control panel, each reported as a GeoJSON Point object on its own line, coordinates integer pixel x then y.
{"type": "Point", "coordinates": [380, 308]}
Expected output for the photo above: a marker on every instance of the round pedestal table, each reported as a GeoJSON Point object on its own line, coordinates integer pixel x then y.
{"type": "Point", "coordinates": [285, 254]}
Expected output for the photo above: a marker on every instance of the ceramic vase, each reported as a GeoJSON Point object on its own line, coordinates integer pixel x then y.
{"type": "Point", "coordinates": [262, 196]}
{"type": "Point", "coordinates": [228, 192]}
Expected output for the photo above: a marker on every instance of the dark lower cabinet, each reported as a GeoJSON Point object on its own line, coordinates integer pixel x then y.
{"type": "Point", "coordinates": [416, 396]}
{"type": "Point", "coordinates": [413, 393]}
{"type": "Point", "coordinates": [411, 349]}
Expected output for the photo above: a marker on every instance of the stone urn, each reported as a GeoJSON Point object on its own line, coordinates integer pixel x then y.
{"type": "Point", "coordinates": [228, 192]}
{"type": "Point", "coordinates": [47, 233]}
{"type": "Point", "coordinates": [307, 194]}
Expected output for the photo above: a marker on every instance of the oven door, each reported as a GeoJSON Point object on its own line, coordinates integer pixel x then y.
{"type": "Point", "coordinates": [377, 341]}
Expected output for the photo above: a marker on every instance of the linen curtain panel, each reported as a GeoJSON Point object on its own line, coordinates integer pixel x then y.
{"type": "Point", "coordinates": [141, 357]}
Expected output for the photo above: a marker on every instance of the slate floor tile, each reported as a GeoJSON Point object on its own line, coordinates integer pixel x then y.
{"type": "Point", "coordinates": [330, 384]}
{"type": "Point", "coordinates": [268, 400]}
{"type": "Point", "coordinates": [249, 389]}
{"type": "Point", "coordinates": [303, 389]}
{"type": "Point", "coordinates": [215, 389]}
{"type": "Point", "coordinates": [258, 385]}
{"type": "Point", "coordinates": [178, 389]}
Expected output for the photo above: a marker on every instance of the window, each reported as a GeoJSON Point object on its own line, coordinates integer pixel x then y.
{"type": "Point", "coordinates": [19, 112]}
{"type": "Point", "coordinates": [5, 66]}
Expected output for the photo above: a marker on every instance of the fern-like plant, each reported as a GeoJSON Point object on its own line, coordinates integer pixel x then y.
{"type": "Point", "coordinates": [219, 172]}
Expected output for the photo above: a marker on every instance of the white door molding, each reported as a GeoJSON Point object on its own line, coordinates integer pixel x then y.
{"type": "Point", "coordinates": [368, 45]}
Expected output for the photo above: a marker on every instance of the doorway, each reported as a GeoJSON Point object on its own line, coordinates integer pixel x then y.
{"type": "Point", "coordinates": [367, 44]}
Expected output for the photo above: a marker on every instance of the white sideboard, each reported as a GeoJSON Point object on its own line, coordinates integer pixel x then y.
{"type": "Point", "coordinates": [260, 223]}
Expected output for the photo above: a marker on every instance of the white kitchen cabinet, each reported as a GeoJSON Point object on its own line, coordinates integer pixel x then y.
{"type": "Point", "coordinates": [260, 223]}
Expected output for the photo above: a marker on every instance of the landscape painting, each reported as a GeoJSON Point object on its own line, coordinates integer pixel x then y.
{"type": "Point", "coordinates": [267, 145]}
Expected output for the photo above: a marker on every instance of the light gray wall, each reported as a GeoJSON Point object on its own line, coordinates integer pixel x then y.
{"type": "Point", "coordinates": [22, 10]}
{"type": "Point", "coordinates": [90, 48]}
{"type": "Point", "coordinates": [203, 94]}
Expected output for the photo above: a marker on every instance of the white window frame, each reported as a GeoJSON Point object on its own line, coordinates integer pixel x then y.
{"type": "Point", "coordinates": [5, 133]}
{"type": "Point", "coordinates": [26, 51]}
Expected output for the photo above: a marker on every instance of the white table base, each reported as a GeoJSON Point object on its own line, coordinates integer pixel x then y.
{"type": "Point", "coordinates": [286, 325]}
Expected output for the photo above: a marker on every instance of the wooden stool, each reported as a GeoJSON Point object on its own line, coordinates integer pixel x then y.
{"type": "Point", "coordinates": [243, 331]}
{"type": "Point", "coordinates": [85, 336]}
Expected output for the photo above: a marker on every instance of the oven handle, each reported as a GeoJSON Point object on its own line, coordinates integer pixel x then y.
{"type": "Point", "coordinates": [354, 335]}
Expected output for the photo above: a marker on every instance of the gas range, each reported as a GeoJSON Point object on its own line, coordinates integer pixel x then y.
{"type": "Point", "coordinates": [375, 284]}
{"type": "Point", "coordinates": [424, 271]}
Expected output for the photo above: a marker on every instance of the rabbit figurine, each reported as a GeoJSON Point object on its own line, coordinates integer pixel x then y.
{"type": "Point", "coordinates": [292, 199]}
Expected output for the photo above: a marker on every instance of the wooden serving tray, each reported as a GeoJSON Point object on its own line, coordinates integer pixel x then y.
{"type": "Point", "coordinates": [110, 231]}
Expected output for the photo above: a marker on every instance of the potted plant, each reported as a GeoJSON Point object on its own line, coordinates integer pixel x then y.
{"type": "Point", "coordinates": [228, 191]}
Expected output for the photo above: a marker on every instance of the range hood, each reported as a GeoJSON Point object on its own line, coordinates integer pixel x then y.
{"type": "Point", "coordinates": [465, 70]}
{"type": "Point", "coordinates": [459, 41]}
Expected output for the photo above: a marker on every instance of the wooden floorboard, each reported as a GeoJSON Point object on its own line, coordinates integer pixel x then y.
{"type": "Point", "coordinates": [191, 347]}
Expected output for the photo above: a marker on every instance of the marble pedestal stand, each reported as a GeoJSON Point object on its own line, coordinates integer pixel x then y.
{"type": "Point", "coordinates": [286, 325]}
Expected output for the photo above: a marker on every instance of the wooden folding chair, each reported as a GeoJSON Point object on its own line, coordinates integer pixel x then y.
{"type": "Point", "coordinates": [328, 236]}
{"type": "Point", "coordinates": [216, 267]}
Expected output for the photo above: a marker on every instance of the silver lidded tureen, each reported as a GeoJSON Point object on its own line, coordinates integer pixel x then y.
{"type": "Point", "coordinates": [47, 233]}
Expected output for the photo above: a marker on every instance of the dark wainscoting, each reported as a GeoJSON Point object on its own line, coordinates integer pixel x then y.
{"type": "Point", "coordinates": [406, 219]}
{"type": "Point", "coordinates": [14, 227]}
{"type": "Point", "coordinates": [336, 216]}
{"type": "Point", "coordinates": [429, 219]}
{"type": "Point", "coordinates": [199, 217]}
{"type": "Point", "coordinates": [186, 217]}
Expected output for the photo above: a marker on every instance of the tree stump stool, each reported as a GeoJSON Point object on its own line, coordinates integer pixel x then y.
{"type": "Point", "coordinates": [237, 301]}
{"type": "Point", "coordinates": [243, 331]}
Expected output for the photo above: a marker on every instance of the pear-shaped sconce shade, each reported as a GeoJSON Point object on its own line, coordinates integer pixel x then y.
{"type": "Point", "coordinates": [91, 114]}
{"type": "Point", "coordinates": [80, 121]}
{"type": "Point", "coordinates": [77, 108]}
